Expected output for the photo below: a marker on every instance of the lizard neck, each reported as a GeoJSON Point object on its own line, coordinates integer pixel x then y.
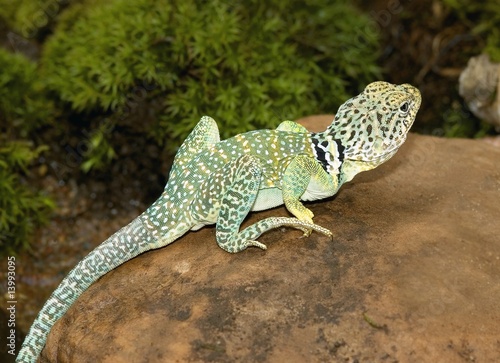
{"type": "Point", "coordinates": [328, 151]}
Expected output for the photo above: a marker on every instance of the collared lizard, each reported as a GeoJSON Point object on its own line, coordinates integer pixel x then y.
{"type": "Point", "coordinates": [214, 181]}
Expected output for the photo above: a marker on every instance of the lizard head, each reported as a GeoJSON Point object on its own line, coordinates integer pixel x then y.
{"type": "Point", "coordinates": [374, 124]}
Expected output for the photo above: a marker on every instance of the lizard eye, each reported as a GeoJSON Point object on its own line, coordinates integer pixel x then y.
{"type": "Point", "coordinates": [404, 108]}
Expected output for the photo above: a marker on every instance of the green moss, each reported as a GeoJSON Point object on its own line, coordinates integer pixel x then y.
{"type": "Point", "coordinates": [8, 9]}
{"type": "Point", "coordinates": [248, 64]}
{"type": "Point", "coordinates": [21, 209]}
{"type": "Point", "coordinates": [23, 109]}
{"type": "Point", "coordinates": [23, 104]}
{"type": "Point", "coordinates": [31, 18]}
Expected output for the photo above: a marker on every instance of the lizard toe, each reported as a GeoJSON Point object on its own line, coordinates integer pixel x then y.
{"type": "Point", "coordinates": [256, 244]}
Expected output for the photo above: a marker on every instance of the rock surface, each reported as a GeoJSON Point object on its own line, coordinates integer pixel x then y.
{"type": "Point", "coordinates": [411, 275]}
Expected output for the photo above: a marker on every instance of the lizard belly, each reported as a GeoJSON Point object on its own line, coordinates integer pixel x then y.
{"type": "Point", "coordinates": [315, 191]}
{"type": "Point", "coordinates": [268, 198]}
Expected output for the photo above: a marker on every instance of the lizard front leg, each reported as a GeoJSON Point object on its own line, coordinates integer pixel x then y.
{"type": "Point", "coordinates": [239, 195]}
{"type": "Point", "coordinates": [298, 175]}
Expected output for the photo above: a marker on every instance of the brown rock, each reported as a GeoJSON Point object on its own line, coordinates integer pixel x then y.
{"type": "Point", "coordinates": [412, 275]}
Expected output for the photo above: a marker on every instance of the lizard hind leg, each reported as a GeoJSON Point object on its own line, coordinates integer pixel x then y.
{"type": "Point", "coordinates": [237, 201]}
{"type": "Point", "coordinates": [204, 135]}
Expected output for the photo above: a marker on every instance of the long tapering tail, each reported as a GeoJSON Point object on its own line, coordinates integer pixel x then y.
{"type": "Point", "coordinates": [122, 246]}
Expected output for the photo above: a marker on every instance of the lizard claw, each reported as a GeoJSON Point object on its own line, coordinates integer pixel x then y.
{"type": "Point", "coordinates": [307, 232]}
{"type": "Point", "coordinates": [315, 227]}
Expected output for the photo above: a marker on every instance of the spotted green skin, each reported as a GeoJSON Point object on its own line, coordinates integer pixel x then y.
{"type": "Point", "coordinates": [214, 181]}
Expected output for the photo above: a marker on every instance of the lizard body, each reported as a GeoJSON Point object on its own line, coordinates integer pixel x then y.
{"type": "Point", "coordinates": [214, 181]}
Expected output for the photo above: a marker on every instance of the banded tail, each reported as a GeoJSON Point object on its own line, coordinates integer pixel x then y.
{"type": "Point", "coordinates": [122, 246]}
